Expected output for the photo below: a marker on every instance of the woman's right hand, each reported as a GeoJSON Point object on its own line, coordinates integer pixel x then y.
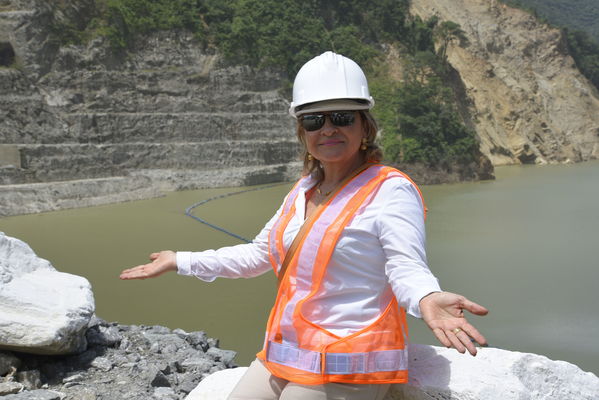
{"type": "Point", "coordinates": [161, 262]}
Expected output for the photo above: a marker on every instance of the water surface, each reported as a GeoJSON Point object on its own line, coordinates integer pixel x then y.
{"type": "Point", "coordinates": [523, 245]}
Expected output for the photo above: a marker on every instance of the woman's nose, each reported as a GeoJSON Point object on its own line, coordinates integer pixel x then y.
{"type": "Point", "coordinates": [328, 128]}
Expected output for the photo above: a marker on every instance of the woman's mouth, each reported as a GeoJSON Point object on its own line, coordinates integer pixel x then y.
{"type": "Point", "coordinates": [331, 142]}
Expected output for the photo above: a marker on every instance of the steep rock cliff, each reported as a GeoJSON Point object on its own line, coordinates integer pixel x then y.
{"type": "Point", "coordinates": [526, 99]}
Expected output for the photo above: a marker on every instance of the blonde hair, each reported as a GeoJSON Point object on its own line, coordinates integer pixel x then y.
{"type": "Point", "coordinates": [373, 152]}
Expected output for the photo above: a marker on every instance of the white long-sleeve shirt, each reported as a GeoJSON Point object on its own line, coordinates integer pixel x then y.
{"type": "Point", "coordinates": [383, 245]}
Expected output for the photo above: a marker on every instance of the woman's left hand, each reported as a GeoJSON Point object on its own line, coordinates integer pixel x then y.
{"type": "Point", "coordinates": [443, 312]}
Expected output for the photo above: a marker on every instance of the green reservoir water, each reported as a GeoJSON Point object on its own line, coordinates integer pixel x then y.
{"type": "Point", "coordinates": [523, 245]}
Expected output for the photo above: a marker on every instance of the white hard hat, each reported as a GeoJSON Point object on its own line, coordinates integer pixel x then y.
{"type": "Point", "coordinates": [330, 76]}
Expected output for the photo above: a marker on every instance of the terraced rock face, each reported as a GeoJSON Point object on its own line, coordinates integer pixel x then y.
{"type": "Point", "coordinates": [74, 113]}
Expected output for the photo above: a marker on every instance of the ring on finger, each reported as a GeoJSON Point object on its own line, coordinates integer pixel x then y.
{"type": "Point", "coordinates": [456, 331]}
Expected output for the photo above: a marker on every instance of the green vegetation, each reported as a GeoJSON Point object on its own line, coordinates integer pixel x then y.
{"type": "Point", "coordinates": [419, 115]}
{"type": "Point", "coordinates": [261, 33]}
{"type": "Point", "coordinates": [127, 20]}
{"type": "Point", "coordinates": [586, 54]}
{"type": "Point", "coordinates": [123, 21]}
{"type": "Point", "coordinates": [287, 33]}
{"type": "Point", "coordinates": [416, 111]}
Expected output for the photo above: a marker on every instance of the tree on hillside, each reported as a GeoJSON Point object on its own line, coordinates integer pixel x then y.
{"type": "Point", "coordinates": [586, 54]}
{"type": "Point", "coordinates": [428, 128]}
{"type": "Point", "coordinates": [447, 32]}
{"type": "Point", "coordinates": [419, 34]}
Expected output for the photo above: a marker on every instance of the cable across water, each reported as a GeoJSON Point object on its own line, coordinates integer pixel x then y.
{"type": "Point", "coordinates": [189, 209]}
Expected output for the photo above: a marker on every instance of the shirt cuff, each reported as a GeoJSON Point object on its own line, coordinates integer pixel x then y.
{"type": "Point", "coordinates": [414, 309]}
{"type": "Point", "coordinates": [184, 262]}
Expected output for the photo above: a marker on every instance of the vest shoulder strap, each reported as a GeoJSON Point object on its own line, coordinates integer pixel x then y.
{"type": "Point", "coordinates": [309, 222]}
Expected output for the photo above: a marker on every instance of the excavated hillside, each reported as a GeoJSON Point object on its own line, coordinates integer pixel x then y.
{"type": "Point", "coordinates": [527, 100]}
{"type": "Point", "coordinates": [81, 126]}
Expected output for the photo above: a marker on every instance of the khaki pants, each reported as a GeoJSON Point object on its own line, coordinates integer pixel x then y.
{"type": "Point", "coordinates": [259, 384]}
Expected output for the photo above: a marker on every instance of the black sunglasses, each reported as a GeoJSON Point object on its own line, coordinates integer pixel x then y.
{"type": "Point", "coordinates": [313, 122]}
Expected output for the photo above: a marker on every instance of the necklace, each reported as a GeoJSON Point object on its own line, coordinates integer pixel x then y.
{"type": "Point", "coordinates": [325, 194]}
{"type": "Point", "coordinates": [350, 176]}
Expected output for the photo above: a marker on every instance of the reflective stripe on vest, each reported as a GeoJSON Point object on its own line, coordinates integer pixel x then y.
{"type": "Point", "coordinates": [298, 350]}
{"type": "Point", "coordinates": [337, 363]}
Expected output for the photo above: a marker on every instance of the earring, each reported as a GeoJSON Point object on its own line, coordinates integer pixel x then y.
{"type": "Point", "coordinates": [364, 144]}
{"type": "Point", "coordinates": [310, 158]}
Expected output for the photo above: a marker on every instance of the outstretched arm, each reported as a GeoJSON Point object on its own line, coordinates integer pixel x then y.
{"type": "Point", "coordinates": [443, 312]}
{"type": "Point", "coordinates": [161, 263]}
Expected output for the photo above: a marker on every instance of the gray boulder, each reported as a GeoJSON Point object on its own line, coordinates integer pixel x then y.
{"type": "Point", "coordinates": [42, 311]}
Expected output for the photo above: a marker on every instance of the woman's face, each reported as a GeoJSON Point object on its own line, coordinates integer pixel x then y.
{"type": "Point", "coordinates": [332, 144]}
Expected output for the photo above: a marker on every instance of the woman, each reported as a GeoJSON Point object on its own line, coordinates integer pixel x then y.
{"type": "Point", "coordinates": [347, 246]}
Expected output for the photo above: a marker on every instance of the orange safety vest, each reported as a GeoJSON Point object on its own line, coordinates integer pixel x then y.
{"type": "Point", "coordinates": [300, 351]}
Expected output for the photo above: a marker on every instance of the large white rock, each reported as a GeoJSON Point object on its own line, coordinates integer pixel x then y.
{"type": "Point", "coordinates": [440, 373]}
{"type": "Point", "coordinates": [444, 374]}
{"type": "Point", "coordinates": [218, 385]}
{"type": "Point", "coordinates": [42, 311]}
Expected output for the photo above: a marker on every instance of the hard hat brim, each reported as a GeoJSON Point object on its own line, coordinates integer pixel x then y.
{"type": "Point", "coordinates": [334, 105]}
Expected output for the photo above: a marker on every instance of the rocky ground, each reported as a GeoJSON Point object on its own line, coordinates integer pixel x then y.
{"type": "Point", "coordinates": [121, 362]}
